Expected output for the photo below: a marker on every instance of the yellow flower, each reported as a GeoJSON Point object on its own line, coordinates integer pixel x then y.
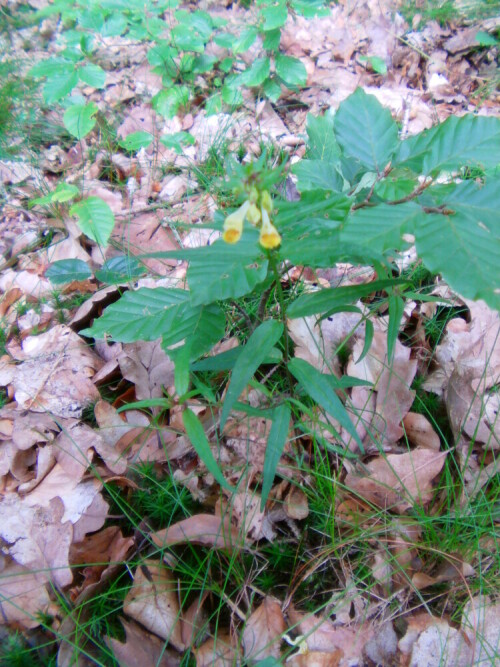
{"type": "Point", "coordinates": [233, 224]}
{"type": "Point", "coordinates": [269, 237]}
{"type": "Point", "coordinates": [266, 202]}
{"type": "Point", "coordinates": [253, 214]}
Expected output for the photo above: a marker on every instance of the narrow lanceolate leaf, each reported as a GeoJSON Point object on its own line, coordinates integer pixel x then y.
{"type": "Point", "coordinates": [181, 374]}
{"type": "Point", "coordinates": [326, 299]}
{"type": "Point", "coordinates": [464, 246]}
{"type": "Point", "coordinates": [456, 142]}
{"type": "Point", "coordinates": [366, 131]}
{"type": "Point", "coordinates": [149, 314]}
{"type": "Point", "coordinates": [196, 435]}
{"type": "Point", "coordinates": [291, 70]}
{"type": "Point", "coordinates": [380, 227]}
{"type": "Point", "coordinates": [396, 310]}
{"type": "Point", "coordinates": [275, 445]}
{"type": "Point", "coordinates": [319, 389]}
{"type": "Point", "coordinates": [256, 350]}
{"type": "Point", "coordinates": [79, 119]}
{"type": "Point", "coordinates": [95, 219]}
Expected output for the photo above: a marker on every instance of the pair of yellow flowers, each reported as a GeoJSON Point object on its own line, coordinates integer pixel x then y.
{"type": "Point", "coordinates": [233, 224]}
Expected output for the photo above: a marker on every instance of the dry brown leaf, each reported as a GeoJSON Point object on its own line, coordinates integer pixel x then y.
{"type": "Point", "coordinates": [148, 367]}
{"type": "Point", "coordinates": [420, 432]}
{"type": "Point", "coordinates": [245, 512]}
{"type": "Point", "coordinates": [317, 343]}
{"type": "Point", "coordinates": [194, 620]}
{"type": "Point", "coordinates": [217, 652]}
{"type": "Point", "coordinates": [438, 645]}
{"type": "Point", "coordinates": [23, 594]}
{"type": "Point", "coordinates": [316, 659]}
{"type": "Point", "coordinates": [142, 648]}
{"type": "Point", "coordinates": [296, 505]}
{"type": "Point", "coordinates": [391, 383]}
{"type": "Point", "coordinates": [153, 601]}
{"type": "Point", "coordinates": [205, 529]}
{"type": "Point", "coordinates": [54, 374]}
{"type": "Point", "coordinates": [31, 284]}
{"type": "Point", "coordinates": [106, 546]}
{"type": "Point", "coordinates": [145, 233]}
{"type": "Point", "coordinates": [323, 636]}
{"type": "Point", "coordinates": [481, 624]}
{"type": "Point", "coordinates": [398, 481]}
{"type": "Point", "coordinates": [263, 631]}
{"type": "Point", "coordinates": [36, 537]}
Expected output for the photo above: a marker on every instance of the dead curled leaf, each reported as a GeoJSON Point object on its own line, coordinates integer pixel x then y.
{"type": "Point", "coordinates": [322, 636]}
{"type": "Point", "coordinates": [390, 382]}
{"type": "Point", "coordinates": [420, 432]}
{"type": "Point", "coordinates": [219, 651]}
{"type": "Point", "coordinates": [153, 601]}
{"type": "Point", "coordinates": [54, 374]}
{"type": "Point", "coordinates": [205, 529]}
{"type": "Point", "coordinates": [23, 594]}
{"type": "Point", "coordinates": [263, 631]}
{"type": "Point", "coordinates": [398, 481]}
{"type": "Point", "coordinates": [141, 648]}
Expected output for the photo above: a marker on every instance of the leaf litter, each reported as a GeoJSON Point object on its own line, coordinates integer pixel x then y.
{"type": "Point", "coordinates": [56, 527]}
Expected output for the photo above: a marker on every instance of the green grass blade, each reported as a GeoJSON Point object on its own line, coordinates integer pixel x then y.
{"type": "Point", "coordinates": [257, 348]}
{"type": "Point", "coordinates": [275, 444]}
{"type": "Point", "coordinates": [196, 435]}
{"type": "Point", "coordinates": [319, 389]}
{"type": "Point", "coordinates": [396, 310]}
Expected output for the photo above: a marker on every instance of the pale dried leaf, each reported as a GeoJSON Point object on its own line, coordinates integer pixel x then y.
{"type": "Point", "coordinates": [148, 367]}
{"type": "Point", "coordinates": [481, 623]}
{"type": "Point", "coordinates": [142, 648]}
{"type": "Point", "coordinates": [316, 659]}
{"type": "Point", "coordinates": [36, 537]}
{"type": "Point", "coordinates": [145, 233]}
{"type": "Point", "coordinates": [23, 594]}
{"type": "Point", "coordinates": [323, 636]}
{"type": "Point", "coordinates": [399, 481]}
{"type": "Point", "coordinates": [263, 631]}
{"type": "Point", "coordinates": [153, 602]}
{"type": "Point", "coordinates": [217, 652]}
{"type": "Point", "coordinates": [420, 431]}
{"type": "Point", "coordinates": [296, 505]}
{"type": "Point", "coordinates": [55, 373]}
{"type": "Point", "coordinates": [205, 529]}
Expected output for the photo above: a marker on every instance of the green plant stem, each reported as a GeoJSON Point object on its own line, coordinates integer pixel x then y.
{"type": "Point", "coordinates": [281, 300]}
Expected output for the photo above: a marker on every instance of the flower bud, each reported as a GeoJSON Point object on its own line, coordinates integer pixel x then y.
{"type": "Point", "coordinates": [269, 237]}
{"type": "Point", "coordinates": [253, 195]}
{"type": "Point", "coordinates": [266, 202]}
{"type": "Point", "coordinates": [253, 214]}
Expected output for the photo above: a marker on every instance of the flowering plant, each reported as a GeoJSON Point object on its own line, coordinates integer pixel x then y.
{"type": "Point", "coordinates": [365, 195]}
